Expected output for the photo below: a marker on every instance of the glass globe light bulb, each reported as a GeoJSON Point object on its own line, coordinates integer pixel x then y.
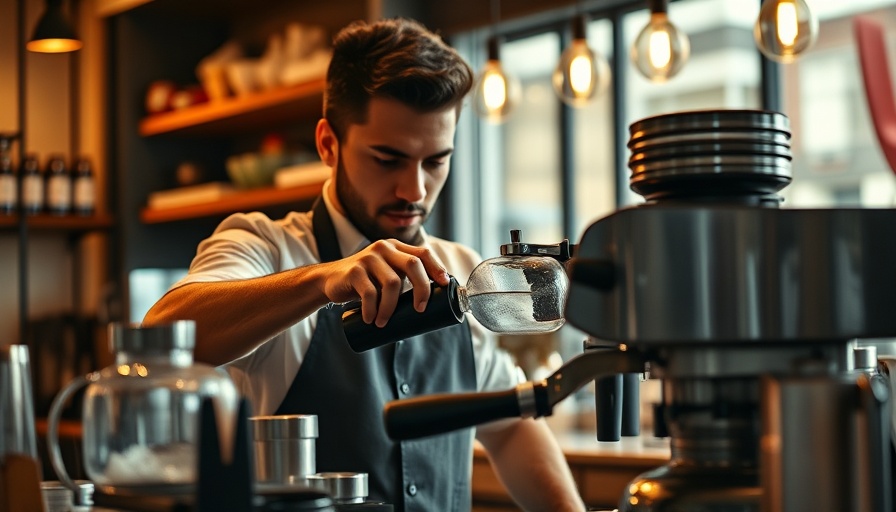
{"type": "Point", "coordinates": [581, 74]}
{"type": "Point", "coordinates": [496, 93]}
{"type": "Point", "coordinates": [784, 29]}
{"type": "Point", "coordinates": [661, 49]}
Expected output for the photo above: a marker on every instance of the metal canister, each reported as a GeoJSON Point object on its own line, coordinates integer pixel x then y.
{"type": "Point", "coordinates": [284, 448]}
{"type": "Point", "coordinates": [344, 487]}
{"type": "Point", "coordinates": [59, 498]}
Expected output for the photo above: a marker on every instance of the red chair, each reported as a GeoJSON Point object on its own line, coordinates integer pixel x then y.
{"type": "Point", "coordinates": [872, 46]}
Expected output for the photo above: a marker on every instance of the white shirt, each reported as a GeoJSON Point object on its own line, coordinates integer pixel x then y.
{"type": "Point", "coordinates": [251, 245]}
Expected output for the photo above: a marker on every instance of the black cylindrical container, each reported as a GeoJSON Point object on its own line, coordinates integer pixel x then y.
{"type": "Point", "coordinates": [442, 310]}
{"type": "Point", "coordinates": [631, 405]}
{"type": "Point", "coordinates": [608, 404]}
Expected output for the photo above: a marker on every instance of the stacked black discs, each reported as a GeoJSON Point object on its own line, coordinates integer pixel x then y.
{"type": "Point", "coordinates": [727, 155]}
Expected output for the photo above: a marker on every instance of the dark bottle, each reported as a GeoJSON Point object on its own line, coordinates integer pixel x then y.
{"type": "Point", "coordinates": [84, 196]}
{"type": "Point", "coordinates": [9, 192]}
{"type": "Point", "coordinates": [59, 186]}
{"type": "Point", "coordinates": [32, 186]}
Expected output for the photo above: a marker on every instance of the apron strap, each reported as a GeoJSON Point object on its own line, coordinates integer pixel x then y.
{"type": "Point", "coordinates": [324, 232]}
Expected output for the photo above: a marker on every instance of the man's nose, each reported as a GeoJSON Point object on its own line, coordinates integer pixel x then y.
{"type": "Point", "coordinates": [412, 184]}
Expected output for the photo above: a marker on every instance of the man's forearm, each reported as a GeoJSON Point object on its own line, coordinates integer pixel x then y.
{"type": "Point", "coordinates": [526, 453]}
{"type": "Point", "coordinates": [234, 317]}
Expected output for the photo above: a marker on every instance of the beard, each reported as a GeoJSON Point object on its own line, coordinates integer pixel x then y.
{"type": "Point", "coordinates": [356, 210]}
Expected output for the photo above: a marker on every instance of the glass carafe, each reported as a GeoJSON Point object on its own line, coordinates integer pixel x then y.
{"type": "Point", "coordinates": [516, 294]}
{"type": "Point", "coordinates": [523, 291]}
{"type": "Point", "coordinates": [141, 414]}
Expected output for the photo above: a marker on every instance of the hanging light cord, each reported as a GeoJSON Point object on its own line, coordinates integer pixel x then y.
{"type": "Point", "coordinates": [492, 43]}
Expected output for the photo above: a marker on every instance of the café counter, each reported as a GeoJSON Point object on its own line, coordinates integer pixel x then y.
{"type": "Point", "coordinates": [602, 470]}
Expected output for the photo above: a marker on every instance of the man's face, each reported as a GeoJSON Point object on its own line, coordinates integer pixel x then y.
{"type": "Point", "coordinates": [391, 169]}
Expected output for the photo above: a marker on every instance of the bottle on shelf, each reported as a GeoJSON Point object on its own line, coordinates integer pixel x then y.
{"type": "Point", "coordinates": [84, 197]}
{"type": "Point", "coordinates": [9, 192]}
{"type": "Point", "coordinates": [59, 186]}
{"type": "Point", "coordinates": [32, 186]}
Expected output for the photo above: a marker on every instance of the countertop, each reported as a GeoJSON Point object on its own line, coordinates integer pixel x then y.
{"type": "Point", "coordinates": [602, 470]}
{"type": "Point", "coordinates": [583, 447]}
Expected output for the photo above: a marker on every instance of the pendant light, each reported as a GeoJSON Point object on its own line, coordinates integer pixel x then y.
{"type": "Point", "coordinates": [495, 93]}
{"type": "Point", "coordinates": [784, 29]}
{"type": "Point", "coordinates": [661, 49]}
{"type": "Point", "coordinates": [581, 74]}
{"type": "Point", "coordinates": [53, 33]}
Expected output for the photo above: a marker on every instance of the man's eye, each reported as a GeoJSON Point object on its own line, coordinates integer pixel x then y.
{"type": "Point", "coordinates": [434, 164]}
{"type": "Point", "coordinates": [386, 162]}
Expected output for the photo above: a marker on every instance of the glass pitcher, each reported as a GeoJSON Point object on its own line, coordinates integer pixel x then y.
{"type": "Point", "coordinates": [141, 414]}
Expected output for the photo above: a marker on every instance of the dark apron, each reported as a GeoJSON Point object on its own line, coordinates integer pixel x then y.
{"type": "Point", "coordinates": [347, 392]}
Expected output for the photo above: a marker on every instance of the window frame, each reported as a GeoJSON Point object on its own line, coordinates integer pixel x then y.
{"type": "Point", "coordinates": [459, 216]}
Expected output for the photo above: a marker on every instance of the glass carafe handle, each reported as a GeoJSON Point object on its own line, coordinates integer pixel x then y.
{"type": "Point", "coordinates": [53, 430]}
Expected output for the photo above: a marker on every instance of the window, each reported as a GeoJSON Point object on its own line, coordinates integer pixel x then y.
{"type": "Point", "coordinates": [552, 170]}
{"type": "Point", "coordinates": [593, 155]}
{"type": "Point", "coordinates": [836, 157]}
{"type": "Point", "coordinates": [723, 70]}
{"type": "Point", "coordinates": [528, 196]}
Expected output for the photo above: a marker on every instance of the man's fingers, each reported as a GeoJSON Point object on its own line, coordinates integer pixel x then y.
{"type": "Point", "coordinates": [416, 274]}
{"type": "Point", "coordinates": [368, 294]}
{"type": "Point", "coordinates": [432, 266]}
{"type": "Point", "coordinates": [390, 289]}
{"type": "Point", "coordinates": [377, 277]}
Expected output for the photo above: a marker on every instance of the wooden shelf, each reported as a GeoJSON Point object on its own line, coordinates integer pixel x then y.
{"type": "Point", "coordinates": [241, 114]}
{"type": "Point", "coordinates": [238, 202]}
{"type": "Point", "coordinates": [53, 223]}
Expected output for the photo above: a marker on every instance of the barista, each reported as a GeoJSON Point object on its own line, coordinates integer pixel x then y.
{"type": "Point", "coordinates": [262, 291]}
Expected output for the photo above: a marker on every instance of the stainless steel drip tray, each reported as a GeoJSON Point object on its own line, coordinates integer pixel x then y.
{"type": "Point", "coordinates": [691, 273]}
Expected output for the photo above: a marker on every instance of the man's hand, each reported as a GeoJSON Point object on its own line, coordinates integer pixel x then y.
{"type": "Point", "coordinates": [375, 275]}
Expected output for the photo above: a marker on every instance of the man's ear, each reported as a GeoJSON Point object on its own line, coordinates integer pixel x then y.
{"type": "Point", "coordinates": [327, 143]}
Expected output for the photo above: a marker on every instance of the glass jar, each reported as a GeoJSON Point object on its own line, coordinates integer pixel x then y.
{"type": "Point", "coordinates": [141, 415]}
{"type": "Point", "coordinates": [516, 294]}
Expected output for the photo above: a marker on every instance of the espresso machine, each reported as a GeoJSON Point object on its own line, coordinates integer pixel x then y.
{"type": "Point", "coordinates": [749, 314]}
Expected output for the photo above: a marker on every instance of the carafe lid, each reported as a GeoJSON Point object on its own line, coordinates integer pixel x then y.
{"type": "Point", "coordinates": [136, 338]}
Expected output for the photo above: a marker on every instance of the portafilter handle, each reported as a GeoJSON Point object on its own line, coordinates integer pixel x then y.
{"type": "Point", "coordinates": [429, 415]}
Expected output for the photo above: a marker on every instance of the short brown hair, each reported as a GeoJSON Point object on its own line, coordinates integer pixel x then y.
{"type": "Point", "coordinates": [394, 58]}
